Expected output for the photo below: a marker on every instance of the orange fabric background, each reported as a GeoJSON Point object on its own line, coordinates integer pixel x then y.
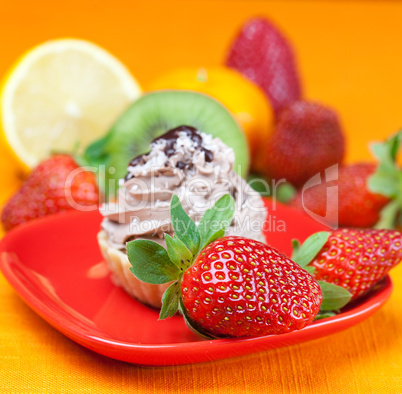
{"type": "Point", "coordinates": [350, 58]}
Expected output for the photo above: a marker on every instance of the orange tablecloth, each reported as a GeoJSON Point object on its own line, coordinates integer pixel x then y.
{"type": "Point", "coordinates": [350, 58]}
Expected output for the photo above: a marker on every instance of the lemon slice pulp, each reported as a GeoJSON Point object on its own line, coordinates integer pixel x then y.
{"type": "Point", "coordinates": [61, 94]}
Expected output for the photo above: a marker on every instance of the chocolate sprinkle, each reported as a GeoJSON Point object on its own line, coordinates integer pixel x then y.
{"type": "Point", "coordinates": [171, 137]}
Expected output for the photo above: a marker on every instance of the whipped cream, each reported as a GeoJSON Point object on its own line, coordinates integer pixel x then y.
{"type": "Point", "coordinates": [196, 167]}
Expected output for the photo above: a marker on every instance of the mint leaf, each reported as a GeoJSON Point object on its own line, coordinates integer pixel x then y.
{"type": "Point", "coordinates": [183, 226]}
{"type": "Point", "coordinates": [95, 152]}
{"type": "Point", "coordinates": [178, 252]}
{"type": "Point", "coordinates": [218, 217]}
{"type": "Point", "coordinates": [296, 256]}
{"type": "Point", "coordinates": [385, 182]}
{"type": "Point", "coordinates": [150, 262]}
{"type": "Point", "coordinates": [324, 315]}
{"type": "Point", "coordinates": [386, 152]}
{"type": "Point", "coordinates": [333, 297]}
{"type": "Point", "coordinates": [170, 301]}
{"type": "Point", "coordinates": [311, 246]}
{"type": "Point", "coordinates": [388, 215]}
{"type": "Point", "coordinates": [387, 178]}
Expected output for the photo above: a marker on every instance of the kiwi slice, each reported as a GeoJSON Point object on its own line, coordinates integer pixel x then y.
{"type": "Point", "coordinates": [151, 116]}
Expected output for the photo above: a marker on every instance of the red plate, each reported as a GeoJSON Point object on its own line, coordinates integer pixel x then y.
{"type": "Point", "coordinates": [54, 264]}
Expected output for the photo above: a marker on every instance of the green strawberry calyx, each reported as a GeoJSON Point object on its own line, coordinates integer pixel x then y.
{"type": "Point", "coordinates": [333, 297]}
{"type": "Point", "coordinates": [387, 180]}
{"type": "Point", "coordinates": [152, 263]}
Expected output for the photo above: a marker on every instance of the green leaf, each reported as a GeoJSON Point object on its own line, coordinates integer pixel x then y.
{"type": "Point", "coordinates": [309, 269]}
{"type": "Point", "coordinates": [334, 297]}
{"type": "Point", "coordinates": [311, 246]}
{"type": "Point", "coordinates": [324, 315]}
{"type": "Point", "coordinates": [285, 192]}
{"type": "Point", "coordinates": [170, 301]}
{"type": "Point", "coordinates": [259, 184]}
{"type": "Point", "coordinates": [387, 178]}
{"type": "Point", "coordinates": [218, 217]}
{"type": "Point", "coordinates": [219, 234]}
{"type": "Point", "coordinates": [388, 215]}
{"type": "Point", "coordinates": [385, 182]}
{"type": "Point", "coordinates": [150, 262]}
{"type": "Point", "coordinates": [183, 226]}
{"type": "Point", "coordinates": [386, 152]}
{"type": "Point", "coordinates": [295, 249]}
{"type": "Point", "coordinates": [281, 191]}
{"type": "Point", "coordinates": [178, 252]}
{"type": "Point", "coordinates": [95, 152]}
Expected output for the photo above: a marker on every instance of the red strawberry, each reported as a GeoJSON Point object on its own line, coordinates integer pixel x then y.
{"type": "Point", "coordinates": [307, 139]}
{"type": "Point", "coordinates": [368, 193]}
{"type": "Point", "coordinates": [45, 190]}
{"type": "Point", "coordinates": [240, 287]}
{"type": "Point", "coordinates": [264, 55]}
{"type": "Point", "coordinates": [226, 286]}
{"type": "Point", "coordinates": [357, 205]}
{"type": "Point", "coordinates": [356, 259]}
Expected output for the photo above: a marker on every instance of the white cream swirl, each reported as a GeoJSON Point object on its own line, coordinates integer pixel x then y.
{"type": "Point", "coordinates": [142, 207]}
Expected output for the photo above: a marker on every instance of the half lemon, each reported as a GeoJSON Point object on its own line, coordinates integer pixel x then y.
{"type": "Point", "coordinates": [60, 95]}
